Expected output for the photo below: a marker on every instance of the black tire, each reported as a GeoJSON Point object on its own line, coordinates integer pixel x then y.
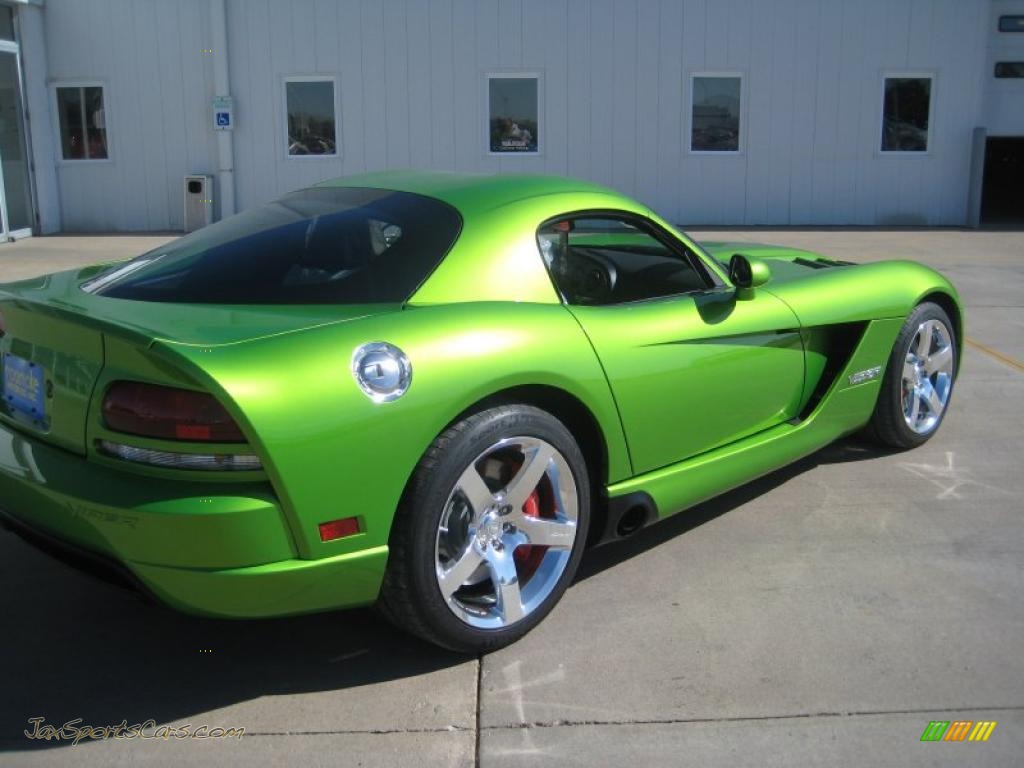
{"type": "Point", "coordinates": [411, 597]}
{"type": "Point", "coordinates": [888, 425]}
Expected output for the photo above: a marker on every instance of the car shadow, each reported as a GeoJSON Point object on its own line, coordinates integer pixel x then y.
{"type": "Point", "coordinates": [609, 555]}
{"type": "Point", "coordinates": [75, 647]}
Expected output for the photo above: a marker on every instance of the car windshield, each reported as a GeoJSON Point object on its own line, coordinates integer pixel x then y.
{"type": "Point", "coordinates": [323, 245]}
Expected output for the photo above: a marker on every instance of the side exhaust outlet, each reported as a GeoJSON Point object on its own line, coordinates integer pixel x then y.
{"type": "Point", "coordinates": [626, 515]}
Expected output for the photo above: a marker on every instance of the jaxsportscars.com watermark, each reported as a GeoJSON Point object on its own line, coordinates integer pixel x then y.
{"type": "Point", "coordinates": [74, 731]}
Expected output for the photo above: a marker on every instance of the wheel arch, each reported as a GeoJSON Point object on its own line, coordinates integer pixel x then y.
{"type": "Point", "coordinates": [950, 306]}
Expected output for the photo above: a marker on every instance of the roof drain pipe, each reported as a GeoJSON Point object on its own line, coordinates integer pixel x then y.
{"type": "Point", "coordinates": [222, 87]}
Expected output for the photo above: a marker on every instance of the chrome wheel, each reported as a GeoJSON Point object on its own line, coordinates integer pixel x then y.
{"type": "Point", "coordinates": [927, 376]}
{"type": "Point", "coordinates": [506, 533]}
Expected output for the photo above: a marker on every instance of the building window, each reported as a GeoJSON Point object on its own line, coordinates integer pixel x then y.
{"type": "Point", "coordinates": [513, 112]}
{"type": "Point", "coordinates": [906, 110]}
{"type": "Point", "coordinates": [1011, 23]}
{"type": "Point", "coordinates": [83, 127]}
{"type": "Point", "coordinates": [715, 113]}
{"type": "Point", "coordinates": [311, 109]}
{"type": "Point", "coordinates": [1011, 69]}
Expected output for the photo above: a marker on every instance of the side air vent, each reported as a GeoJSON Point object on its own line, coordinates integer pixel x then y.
{"type": "Point", "coordinates": [838, 343]}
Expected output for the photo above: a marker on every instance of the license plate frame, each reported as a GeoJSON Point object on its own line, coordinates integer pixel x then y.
{"type": "Point", "coordinates": [24, 388]}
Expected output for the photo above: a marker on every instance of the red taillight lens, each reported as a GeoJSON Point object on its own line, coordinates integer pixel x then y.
{"type": "Point", "coordinates": [168, 413]}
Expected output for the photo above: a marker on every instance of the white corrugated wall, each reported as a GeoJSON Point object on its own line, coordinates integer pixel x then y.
{"type": "Point", "coordinates": [158, 83]}
{"type": "Point", "coordinates": [615, 99]}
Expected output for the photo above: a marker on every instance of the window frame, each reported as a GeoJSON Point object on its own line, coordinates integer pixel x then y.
{"type": "Point", "coordinates": [81, 84]}
{"type": "Point", "coordinates": [307, 78]}
{"type": "Point", "coordinates": [741, 143]}
{"type": "Point", "coordinates": [511, 74]}
{"type": "Point", "coordinates": [907, 75]}
{"type": "Point", "coordinates": [692, 256]}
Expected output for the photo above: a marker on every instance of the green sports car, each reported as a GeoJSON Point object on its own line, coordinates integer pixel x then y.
{"type": "Point", "coordinates": [430, 392]}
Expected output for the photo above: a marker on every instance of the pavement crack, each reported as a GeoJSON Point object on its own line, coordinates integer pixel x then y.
{"type": "Point", "coordinates": [743, 718]}
{"type": "Point", "coordinates": [479, 706]}
{"type": "Point", "coordinates": [363, 731]}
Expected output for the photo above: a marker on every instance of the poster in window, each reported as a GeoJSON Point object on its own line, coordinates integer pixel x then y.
{"type": "Point", "coordinates": [312, 123]}
{"type": "Point", "coordinates": [513, 113]}
{"type": "Point", "coordinates": [715, 118]}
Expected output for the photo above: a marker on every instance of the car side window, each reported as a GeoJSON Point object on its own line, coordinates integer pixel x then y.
{"type": "Point", "coordinates": [596, 260]}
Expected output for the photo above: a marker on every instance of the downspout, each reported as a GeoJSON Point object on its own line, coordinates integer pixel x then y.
{"type": "Point", "coordinates": [976, 177]}
{"type": "Point", "coordinates": [222, 87]}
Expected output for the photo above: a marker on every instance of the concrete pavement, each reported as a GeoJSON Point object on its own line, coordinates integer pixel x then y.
{"type": "Point", "coordinates": [822, 615]}
{"type": "Point", "coordinates": [39, 255]}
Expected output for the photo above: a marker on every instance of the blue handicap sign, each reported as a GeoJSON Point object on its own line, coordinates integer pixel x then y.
{"type": "Point", "coordinates": [224, 118]}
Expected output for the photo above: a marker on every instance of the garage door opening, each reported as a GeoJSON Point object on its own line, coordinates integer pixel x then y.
{"type": "Point", "coordinates": [1002, 189]}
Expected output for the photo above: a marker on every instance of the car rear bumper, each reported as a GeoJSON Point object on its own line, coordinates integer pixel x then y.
{"type": "Point", "coordinates": [210, 548]}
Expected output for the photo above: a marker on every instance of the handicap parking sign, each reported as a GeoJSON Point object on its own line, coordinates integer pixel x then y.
{"type": "Point", "coordinates": [223, 109]}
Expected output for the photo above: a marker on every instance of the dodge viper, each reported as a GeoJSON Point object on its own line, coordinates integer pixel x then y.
{"type": "Point", "coordinates": [431, 392]}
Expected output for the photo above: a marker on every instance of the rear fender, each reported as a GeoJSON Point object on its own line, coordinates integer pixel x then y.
{"type": "Point", "coordinates": [331, 452]}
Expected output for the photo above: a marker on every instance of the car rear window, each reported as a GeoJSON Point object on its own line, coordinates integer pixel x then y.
{"type": "Point", "coordinates": [323, 245]}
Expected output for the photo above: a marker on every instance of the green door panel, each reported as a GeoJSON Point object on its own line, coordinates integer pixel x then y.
{"type": "Point", "coordinates": [690, 373]}
{"type": "Point", "coordinates": [844, 409]}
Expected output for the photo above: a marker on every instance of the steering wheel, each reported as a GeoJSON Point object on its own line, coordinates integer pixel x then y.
{"type": "Point", "coordinates": [590, 277]}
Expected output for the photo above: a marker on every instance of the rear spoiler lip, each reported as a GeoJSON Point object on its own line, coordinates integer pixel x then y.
{"type": "Point", "coordinates": [274, 335]}
{"type": "Point", "coordinates": [78, 315]}
{"type": "Point", "coordinates": [148, 337]}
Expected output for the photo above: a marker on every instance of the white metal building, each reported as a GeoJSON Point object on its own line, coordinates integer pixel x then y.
{"type": "Point", "coordinates": [871, 112]}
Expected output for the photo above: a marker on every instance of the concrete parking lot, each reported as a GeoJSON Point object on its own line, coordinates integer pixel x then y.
{"type": "Point", "coordinates": [822, 615]}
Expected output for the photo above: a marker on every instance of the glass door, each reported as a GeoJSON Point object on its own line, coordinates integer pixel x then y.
{"type": "Point", "coordinates": [15, 185]}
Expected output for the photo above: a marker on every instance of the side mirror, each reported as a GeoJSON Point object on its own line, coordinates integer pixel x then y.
{"type": "Point", "coordinates": [747, 273]}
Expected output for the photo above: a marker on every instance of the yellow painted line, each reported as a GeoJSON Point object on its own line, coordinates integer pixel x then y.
{"type": "Point", "coordinates": [997, 355]}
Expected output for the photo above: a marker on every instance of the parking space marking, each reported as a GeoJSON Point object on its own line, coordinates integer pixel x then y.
{"type": "Point", "coordinates": [948, 479]}
{"type": "Point", "coordinates": [995, 354]}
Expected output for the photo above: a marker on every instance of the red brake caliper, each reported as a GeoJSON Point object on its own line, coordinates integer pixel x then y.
{"type": "Point", "coordinates": [529, 558]}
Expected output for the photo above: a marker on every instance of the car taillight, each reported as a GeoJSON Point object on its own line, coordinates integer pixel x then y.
{"type": "Point", "coordinates": [225, 462]}
{"type": "Point", "coordinates": [168, 413]}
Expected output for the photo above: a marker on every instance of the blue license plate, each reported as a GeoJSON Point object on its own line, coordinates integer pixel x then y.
{"type": "Point", "coordinates": [24, 387]}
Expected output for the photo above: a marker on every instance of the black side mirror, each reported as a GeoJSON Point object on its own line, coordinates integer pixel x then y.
{"type": "Point", "coordinates": [746, 273]}
{"type": "Point", "coordinates": [740, 273]}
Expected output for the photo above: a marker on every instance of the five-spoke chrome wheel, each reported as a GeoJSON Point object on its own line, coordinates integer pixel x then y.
{"type": "Point", "coordinates": [506, 533]}
{"type": "Point", "coordinates": [927, 376]}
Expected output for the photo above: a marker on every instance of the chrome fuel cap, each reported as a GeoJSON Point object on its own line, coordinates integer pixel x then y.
{"type": "Point", "coordinates": [382, 371]}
